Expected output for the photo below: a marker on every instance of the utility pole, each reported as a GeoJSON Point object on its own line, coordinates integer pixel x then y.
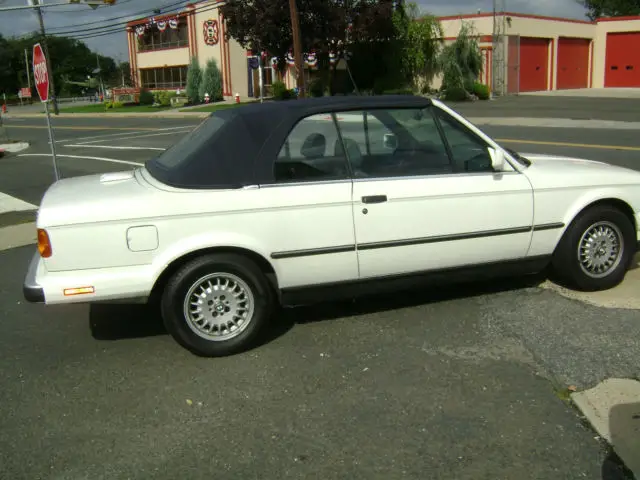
{"type": "Point", "coordinates": [297, 47]}
{"type": "Point", "coordinates": [56, 110]}
{"type": "Point", "coordinates": [26, 64]}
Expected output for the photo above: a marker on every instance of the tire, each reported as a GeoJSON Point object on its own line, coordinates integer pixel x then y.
{"type": "Point", "coordinates": [232, 274]}
{"type": "Point", "coordinates": [615, 228]}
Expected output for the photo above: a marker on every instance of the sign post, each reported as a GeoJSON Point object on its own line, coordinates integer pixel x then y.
{"type": "Point", "coordinates": [41, 76]}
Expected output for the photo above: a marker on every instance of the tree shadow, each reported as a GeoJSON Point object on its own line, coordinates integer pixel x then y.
{"type": "Point", "coordinates": [623, 458]}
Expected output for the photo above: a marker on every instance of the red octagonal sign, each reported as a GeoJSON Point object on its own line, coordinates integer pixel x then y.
{"type": "Point", "coordinates": [40, 72]}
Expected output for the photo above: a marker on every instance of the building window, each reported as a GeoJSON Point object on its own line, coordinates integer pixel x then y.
{"type": "Point", "coordinates": [154, 39]}
{"type": "Point", "coordinates": [169, 78]}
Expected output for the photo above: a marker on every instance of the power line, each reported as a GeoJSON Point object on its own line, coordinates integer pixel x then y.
{"type": "Point", "coordinates": [113, 29]}
{"type": "Point", "coordinates": [119, 26]}
{"type": "Point", "coordinates": [143, 12]}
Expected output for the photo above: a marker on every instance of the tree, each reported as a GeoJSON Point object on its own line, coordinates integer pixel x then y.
{"type": "Point", "coordinates": [421, 38]}
{"type": "Point", "coordinates": [8, 80]}
{"type": "Point", "coordinates": [461, 61]}
{"type": "Point", "coordinates": [194, 79]}
{"type": "Point", "coordinates": [211, 81]}
{"type": "Point", "coordinates": [365, 26]}
{"type": "Point", "coordinates": [610, 8]}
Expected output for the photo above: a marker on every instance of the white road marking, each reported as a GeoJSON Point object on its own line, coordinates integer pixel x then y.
{"type": "Point", "coordinates": [12, 204]}
{"type": "Point", "coordinates": [112, 147]}
{"type": "Point", "coordinates": [75, 139]}
{"type": "Point", "coordinates": [100, 159]}
{"type": "Point", "coordinates": [137, 136]}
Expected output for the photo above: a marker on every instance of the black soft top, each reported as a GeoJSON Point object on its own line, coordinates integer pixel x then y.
{"type": "Point", "coordinates": [235, 147]}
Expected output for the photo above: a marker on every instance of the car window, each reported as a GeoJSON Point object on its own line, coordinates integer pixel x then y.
{"type": "Point", "coordinates": [312, 152]}
{"type": "Point", "coordinates": [182, 150]}
{"type": "Point", "coordinates": [393, 143]}
{"type": "Point", "coordinates": [470, 153]}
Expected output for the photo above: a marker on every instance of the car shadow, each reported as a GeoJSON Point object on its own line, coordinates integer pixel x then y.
{"type": "Point", "coordinates": [624, 428]}
{"type": "Point", "coordinates": [369, 304]}
{"type": "Point", "coordinates": [126, 321]}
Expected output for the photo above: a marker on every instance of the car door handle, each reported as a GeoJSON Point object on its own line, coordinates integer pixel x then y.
{"type": "Point", "coordinates": [374, 199]}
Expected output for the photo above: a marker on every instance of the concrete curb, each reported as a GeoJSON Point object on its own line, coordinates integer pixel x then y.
{"type": "Point", "coordinates": [19, 235]}
{"type": "Point", "coordinates": [14, 147]}
{"type": "Point", "coordinates": [116, 115]}
{"type": "Point", "coordinates": [613, 410]}
{"type": "Point", "coordinates": [623, 296]}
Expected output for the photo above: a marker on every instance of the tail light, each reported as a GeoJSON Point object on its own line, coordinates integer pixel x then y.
{"type": "Point", "coordinates": [44, 244]}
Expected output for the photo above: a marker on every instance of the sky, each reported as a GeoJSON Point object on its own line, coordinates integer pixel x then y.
{"type": "Point", "coordinates": [78, 18]}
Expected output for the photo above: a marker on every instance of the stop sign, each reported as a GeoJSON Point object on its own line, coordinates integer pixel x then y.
{"type": "Point", "coordinates": [40, 72]}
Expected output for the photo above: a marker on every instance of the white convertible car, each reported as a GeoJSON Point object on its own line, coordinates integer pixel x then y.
{"type": "Point", "coordinates": [284, 203]}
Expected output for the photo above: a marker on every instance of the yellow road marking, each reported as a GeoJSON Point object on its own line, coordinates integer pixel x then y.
{"type": "Point", "coordinates": [85, 128]}
{"type": "Point", "coordinates": [566, 144]}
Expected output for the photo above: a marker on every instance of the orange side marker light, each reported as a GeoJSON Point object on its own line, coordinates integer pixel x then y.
{"type": "Point", "coordinates": [44, 244]}
{"type": "Point", "coordinates": [78, 291]}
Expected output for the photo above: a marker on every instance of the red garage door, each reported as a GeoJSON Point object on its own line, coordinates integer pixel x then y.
{"type": "Point", "coordinates": [534, 64]}
{"type": "Point", "coordinates": [623, 60]}
{"type": "Point", "coordinates": [573, 63]}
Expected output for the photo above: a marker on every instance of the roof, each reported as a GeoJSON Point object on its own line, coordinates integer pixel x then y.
{"type": "Point", "coordinates": [236, 147]}
{"type": "Point", "coordinates": [514, 14]}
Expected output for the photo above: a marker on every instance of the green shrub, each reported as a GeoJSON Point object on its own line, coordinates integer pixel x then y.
{"type": "Point", "coordinates": [399, 91]}
{"type": "Point", "coordinates": [117, 105]}
{"type": "Point", "coordinates": [194, 79]}
{"type": "Point", "coordinates": [211, 82]}
{"type": "Point", "coordinates": [280, 91]}
{"type": "Point", "coordinates": [146, 97]}
{"type": "Point", "coordinates": [316, 88]}
{"type": "Point", "coordinates": [163, 97]}
{"type": "Point", "coordinates": [481, 91]}
{"type": "Point", "coordinates": [455, 94]}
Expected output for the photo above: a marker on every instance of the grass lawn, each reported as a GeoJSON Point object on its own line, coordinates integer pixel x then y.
{"type": "Point", "coordinates": [100, 108]}
{"type": "Point", "coordinates": [216, 106]}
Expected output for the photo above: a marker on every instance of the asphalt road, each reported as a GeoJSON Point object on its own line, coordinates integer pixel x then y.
{"type": "Point", "coordinates": [457, 383]}
{"type": "Point", "coordinates": [577, 108]}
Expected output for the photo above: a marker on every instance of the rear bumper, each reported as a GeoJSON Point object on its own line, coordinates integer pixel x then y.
{"type": "Point", "coordinates": [31, 290]}
{"type": "Point", "coordinates": [112, 285]}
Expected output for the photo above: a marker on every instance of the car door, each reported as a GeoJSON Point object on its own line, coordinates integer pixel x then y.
{"type": "Point", "coordinates": [425, 196]}
{"type": "Point", "coordinates": [308, 218]}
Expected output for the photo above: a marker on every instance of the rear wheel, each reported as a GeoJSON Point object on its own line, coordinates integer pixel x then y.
{"type": "Point", "coordinates": [217, 304]}
{"type": "Point", "coordinates": [596, 250]}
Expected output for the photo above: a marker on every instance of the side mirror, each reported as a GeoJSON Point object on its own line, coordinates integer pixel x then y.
{"type": "Point", "coordinates": [390, 141]}
{"type": "Point", "coordinates": [497, 159]}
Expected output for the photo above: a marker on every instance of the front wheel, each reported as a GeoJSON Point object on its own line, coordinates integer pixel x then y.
{"type": "Point", "coordinates": [217, 304]}
{"type": "Point", "coordinates": [596, 250]}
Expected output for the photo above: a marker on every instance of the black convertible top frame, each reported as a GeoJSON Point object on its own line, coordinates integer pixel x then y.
{"type": "Point", "coordinates": [245, 140]}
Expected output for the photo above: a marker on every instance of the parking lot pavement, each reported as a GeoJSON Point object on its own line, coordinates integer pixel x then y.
{"type": "Point", "coordinates": [455, 383]}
